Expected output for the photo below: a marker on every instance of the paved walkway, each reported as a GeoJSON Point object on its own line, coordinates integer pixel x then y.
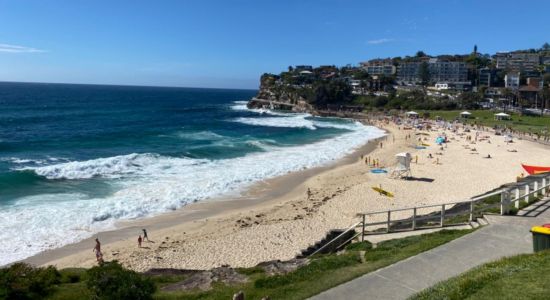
{"type": "Point", "coordinates": [504, 236]}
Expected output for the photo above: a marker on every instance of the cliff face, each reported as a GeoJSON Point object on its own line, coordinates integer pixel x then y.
{"type": "Point", "coordinates": [274, 95]}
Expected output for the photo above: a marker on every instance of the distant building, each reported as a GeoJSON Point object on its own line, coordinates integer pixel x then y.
{"type": "Point", "coordinates": [517, 61]}
{"type": "Point", "coordinates": [529, 93]}
{"type": "Point", "coordinates": [511, 80]}
{"type": "Point", "coordinates": [441, 71]}
{"type": "Point", "coordinates": [441, 86]}
{"type": "Point", "coordinates": [409, 72]}
{"type": "Point", "coordinates": [493, 92]}
{"type": "Point", "coordinates": [535, 82]}
{"type": "Point", "coordinates": [487, 77]}
{"type": "Point", "coordinates": [379, 67]}
{"type": "Point", "coordinates": [303, 68]}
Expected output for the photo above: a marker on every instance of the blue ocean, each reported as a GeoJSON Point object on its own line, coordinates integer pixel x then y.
{"type": "Point", "coordinates": [74, 159]}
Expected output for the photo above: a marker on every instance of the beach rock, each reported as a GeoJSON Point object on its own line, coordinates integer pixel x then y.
{"type": "Point", "coordinates": [200, 279]}
{"type": "Point", "coordinates": [276, 267]}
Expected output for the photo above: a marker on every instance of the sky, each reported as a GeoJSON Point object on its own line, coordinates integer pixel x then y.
{"type": "Point", "coordinates": [230, 43]}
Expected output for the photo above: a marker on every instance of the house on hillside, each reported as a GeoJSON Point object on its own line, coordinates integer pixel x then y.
{"type": "Point", "coordinates": [379, 67]}
{"type": "Point", "coordinates": [511, 80]}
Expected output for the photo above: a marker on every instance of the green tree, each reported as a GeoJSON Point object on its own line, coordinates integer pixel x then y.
{"type": "Point", "coordinates": [360, 74]}
{"type": "Point", "coordinates": [470, 100]}
{"type": "Point", "coordinates": [21, 281]}
{"type": "Point", "coordinates": [508, 95]}
{"type": "Point", "coordinates": [424, 73]}
{"type": "Point", "coordinates": [420, 54]}
{"type": "Point", "coordinates": [111, 281]}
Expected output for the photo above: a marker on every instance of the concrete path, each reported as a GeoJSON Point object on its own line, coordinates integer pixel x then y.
{"type": "Point", "coordinates": [504, 236]}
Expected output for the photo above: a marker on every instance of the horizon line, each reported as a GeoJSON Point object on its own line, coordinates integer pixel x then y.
{"type": "Point", "coordinates": [128, 85]}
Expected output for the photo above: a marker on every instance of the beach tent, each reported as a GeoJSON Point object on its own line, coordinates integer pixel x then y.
{"type": "Point", "coordinates": [403, 167]}
{"type": "Point", "coordinates": [412, 114]}
{"type": "Point", "coordinates": [465, 114]}
{"type": "Point", "coordinates": [502, 116]}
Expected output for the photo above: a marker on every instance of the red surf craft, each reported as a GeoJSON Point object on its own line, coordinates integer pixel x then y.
{"type": "Point", "coordinates": [535, 169]}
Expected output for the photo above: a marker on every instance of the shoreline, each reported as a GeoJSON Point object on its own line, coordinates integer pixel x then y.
{"type": "Point", "coordinates": [292, 220]}
{"type": "Point", "coordinates": [257, 195]}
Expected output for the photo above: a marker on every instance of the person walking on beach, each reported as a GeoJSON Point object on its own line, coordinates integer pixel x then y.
{"type": "Point", "coordinates": [139, 241]}
{"type": "Point", "coordinates": [97, 250]}
{"type": "Point", "coordinates": [145, 235]}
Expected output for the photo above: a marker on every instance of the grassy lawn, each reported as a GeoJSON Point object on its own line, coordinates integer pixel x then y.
{"type": "Point", "coordinates": [519, 277]}
{"type": "Point", "coordinates": [530, 124]}
{"type": "Point", "coordinates": [323, 272]}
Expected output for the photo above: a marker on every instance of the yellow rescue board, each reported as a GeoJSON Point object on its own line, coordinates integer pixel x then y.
{"type": "Point", "coordinates": [382, 192]}
{"type": "Point", "coordinates": [425, 145]}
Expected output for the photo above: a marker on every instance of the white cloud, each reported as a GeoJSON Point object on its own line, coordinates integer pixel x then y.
{"type": "Point", "coordinates": [380, 41]}
{"type": "Point", "coordinates": [6, 48]}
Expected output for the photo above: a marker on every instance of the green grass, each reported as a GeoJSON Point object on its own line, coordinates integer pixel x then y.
{"type": "Point", "coordinates": [519, 277]}
{"type": "Point", "coordinates": [323, 272]}
{"type": "Point", "coordinates": [529, 124]}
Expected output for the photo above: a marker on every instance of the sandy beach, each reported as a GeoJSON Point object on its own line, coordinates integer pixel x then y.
{"type": "Point", "coordinates": [277, 219]}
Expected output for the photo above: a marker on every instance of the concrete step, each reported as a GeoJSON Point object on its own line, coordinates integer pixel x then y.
{"type": "Point", "coordinates": [482, 221]}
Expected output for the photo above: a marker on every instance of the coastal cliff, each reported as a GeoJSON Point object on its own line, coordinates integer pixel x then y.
{"type": "Point", "coordinates": [274, 94]}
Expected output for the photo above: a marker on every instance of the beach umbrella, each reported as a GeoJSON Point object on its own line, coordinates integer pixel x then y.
{"type": "Point", "coordinates": [502, 116]}
{"type": "Point", "coordinates": [465, 114]}
{"type": "Point", "coordinates": [411, 114]}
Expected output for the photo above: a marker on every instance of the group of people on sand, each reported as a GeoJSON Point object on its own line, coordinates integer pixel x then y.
{"type": "Point", "coordinates": [140, 239]}
{"type": "Point", "coordinates": [99, 254]}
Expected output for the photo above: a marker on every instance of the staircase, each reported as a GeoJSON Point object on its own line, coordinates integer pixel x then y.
{"type": "Point", "coordinates": [337, 238]}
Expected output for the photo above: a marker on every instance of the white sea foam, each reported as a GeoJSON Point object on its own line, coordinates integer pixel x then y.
{"type": "Point", "coordinates": [150, 184]}
{"type": "Point", "coordinates": [20, 161]}
{"type": "Point", "coordinates": [200, 135]}
{"type": "Point", "coordinates": [241, 105]}
{"type": "Point", "coordinates": [295, 121]}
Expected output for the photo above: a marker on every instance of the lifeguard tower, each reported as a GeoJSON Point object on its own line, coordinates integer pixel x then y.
{"type": "Point", "coordinates": [403, 167]}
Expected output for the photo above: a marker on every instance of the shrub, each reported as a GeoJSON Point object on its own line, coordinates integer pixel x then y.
{"type": "Point", "coordinates": [22, 281]}
{"type": "Point", "coordinates": [112, 281]}
{"type": "Point", "coordinates": [72, 275]}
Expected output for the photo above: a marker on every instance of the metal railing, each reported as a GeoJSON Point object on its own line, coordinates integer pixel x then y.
{"type": "Point", "coordinates": [444, 212]}
{"type": "Point", "coordinates": [352, 227]}
{"type": "Point", "coordinates": [441, 212]}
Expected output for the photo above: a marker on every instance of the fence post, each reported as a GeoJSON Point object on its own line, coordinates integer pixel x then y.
{"type": "Point", "coordinates": [414, 219]}
{"type": "Point", "coordinates": [516, 204]}
{"type": "Point", "coordinates": [471, 211]}
{"type": "Point", "coordinates": [363, 229]}
{"type": "Point", "coordinates": [527, 193]}
{"type": "Point", "coordinates": [504, 209]}
{"type": "Point", "coordinates": [388, 224]}
{"type": "Point", "coordinates": [535, 188]}
{"type": "Point", "coordinates": [442, 214]}
{"type": "Point", "coordinates": [543, 186]}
